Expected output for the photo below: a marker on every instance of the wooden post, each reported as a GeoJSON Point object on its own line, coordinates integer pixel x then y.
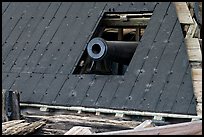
{"type": "Point", "coordinates": [4, 116]}
{"type": "Point", "coordinates": [10, 105]}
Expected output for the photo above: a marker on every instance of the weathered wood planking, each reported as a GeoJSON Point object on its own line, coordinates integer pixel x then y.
{"type": "Point", "coordinates": [183, 13]}
{"type": "Point", "coordinates": [53, 37]}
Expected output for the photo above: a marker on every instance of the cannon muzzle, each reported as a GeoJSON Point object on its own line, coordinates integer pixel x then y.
{"type": "Point", "coordinates": [117, 51]}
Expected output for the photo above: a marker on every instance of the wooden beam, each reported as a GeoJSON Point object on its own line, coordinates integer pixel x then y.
{"type": "Point", "coordinates": [197, 74]}
{"type": "Point", "coordinates": [145, 124]}
{"type": "Point", "coordinates": [111, 111]}
{"type": "Point", "coordinates": [79, 130]}
{"type": "Point", "coordinates": [193, 49]}
{"type": "Point", "coordinates": [10, 105]}
{"type": "Point", "coordinates": [20, 127]}
{"type": "Point", "coordinates": [192, 29]}
{"type": "Point", "coordinates": [197, 86]}
{"type": "Point", "coordinates": [97, 121]}
{"type": "Point", "coordinates": [188, 128]}
{"type": "Point", "coordinates": [183, 13]}
{"type": "Point", "coordinates": [131, 22]}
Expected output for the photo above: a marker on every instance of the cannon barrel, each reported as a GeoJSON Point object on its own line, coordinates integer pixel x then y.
{"type": "Point", "coordinates": [117, 51]}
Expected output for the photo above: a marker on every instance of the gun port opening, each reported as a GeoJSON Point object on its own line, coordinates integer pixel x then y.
{"type": "Point", "coordinates": [110, 49]}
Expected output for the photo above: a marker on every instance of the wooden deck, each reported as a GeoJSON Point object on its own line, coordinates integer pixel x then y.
{"type": "Point", "coordinates": [193, 50]}
{"type": "Point", "coordinates": [42, 43]}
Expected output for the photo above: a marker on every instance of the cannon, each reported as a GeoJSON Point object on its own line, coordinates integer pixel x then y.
{"type": "Point", "coordinates": [117, 51]}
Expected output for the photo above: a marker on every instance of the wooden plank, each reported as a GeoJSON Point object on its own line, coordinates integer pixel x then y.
{"type": "Point", "coordinates": [137, 22]}
{"type": "Point", "coordinates": [77, 95]}
{"type": "Point", "coordinates": [46, 39]}
{"type": "Point", "coordinates": [149, 82]}
{"type": "Point", "coordinates": [41, 87]}
{"type": "Point", "coordinates": [66, 92]}
{"type": "Point", "coordinates": [34, 41]}
{"type": "Point", "coordinates": [4, 116]}
{"type": "Point", "coordinates": [85, 34]}
{"type": "Point", "coordinates": [145, 124]}
{"type": "Point", "coordinates": [192, 29]}
{"type": "Point", "coordinates": [183, 13]}
{"type": "Point", "coordinates": [30, 80]}
{"type": "Point", "coordinates": [194, 55]}
{"type": "Point", "coordinates": [197, 85]}
{"type": "Point", "coordinates": [172, 81]}
{"type": "Point", "coordinates": [112, 111]}
{"type": "Point", "coordinates": [53, 90]}
{"type": "Point", "coordinates": [185, 95]}
{"type": "Point", "coordinates": [5, 6]}
{"type": "Point", "coordinates": [136, 64]}
{"type": "Point", "coordinates": [188, 128]}
{"type": "Point", "coordinates": [79, 130]}
{"type": "Point", "coordinates": [87, 120]}
{"type": "Point", "coordinates": [94, 91]}
{"type": "Point", "coordinates": [18, 32]}
{"type": "Point", "coordinates": [9, 80]}
{"type": "Point", "coordinates": [192, 43]}
{"type": "Point", "coordinates": [22, 128]}
{"type": "Point", "coordinates": [23, 41]}
{"type": "Point", "coordinates": [106, 95]}
{"type": "Point", "coordinates": [71, 22]}
{"type": "Point", "coordinates": [197, 74]}
{"type": "Point", "coordinates": [52, 49]}
{"type": "Point", "coordinates": [199, 109]}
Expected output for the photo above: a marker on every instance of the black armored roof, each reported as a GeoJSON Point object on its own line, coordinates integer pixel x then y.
{"type": "Point", "coordinates": [42, 43]}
